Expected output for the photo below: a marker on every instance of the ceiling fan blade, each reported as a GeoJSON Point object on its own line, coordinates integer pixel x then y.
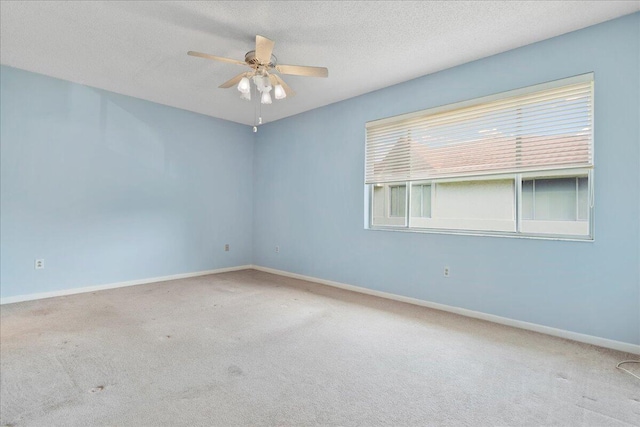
{"type": "Point", "coordinates": [264, 48]}
{"type": "Point", "coordinates": [277, 80]}
{"type": "Point", "coordinates": [300, 70]}
{"type": "Point", "coordinates": [234, 81]}
{"type": "Point", "coordinates": [216, 58]}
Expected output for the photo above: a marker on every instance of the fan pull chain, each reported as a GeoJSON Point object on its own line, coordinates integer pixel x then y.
{"type": "Point", "coordinates": [255, 109]}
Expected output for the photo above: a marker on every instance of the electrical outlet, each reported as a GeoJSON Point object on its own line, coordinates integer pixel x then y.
{"type": "Point", "coordinates": [277, 249]}
{"type": "Point", "coordinates": [39, 264]}
{"type": "Point", "coordinates": [446, 272]}
{"type": "Point", "coordinates": [226, 247]}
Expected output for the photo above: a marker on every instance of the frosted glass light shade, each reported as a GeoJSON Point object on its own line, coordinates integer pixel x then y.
{"type": "Point", "coordinates": [244, 86]}
{"type": "Point", "coordinates": [266, 98]}
{"type": "Point", "coordinates": [279, 92]}
{"type": "Point", "coordinates": [267, 82]}
{"type": "Point", "coordinates": [259, 82]}
{"type": "Point", "coordinates": [246, 95]}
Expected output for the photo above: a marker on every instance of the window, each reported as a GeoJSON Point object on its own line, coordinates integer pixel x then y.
{"type": "Point", "coordinates": [517, 163]}
{"type": "Point", "coordinates": [421, 197]}
{"type": "Point", "coordinates": [389, 204]}
{"type": "Point", "coordinates": [555, 205]}
{"type": "Point", "coordinates": [397, 204]}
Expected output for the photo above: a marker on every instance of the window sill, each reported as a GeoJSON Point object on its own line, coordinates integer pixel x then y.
{"type": "Point", "coordinates": [587, 239]}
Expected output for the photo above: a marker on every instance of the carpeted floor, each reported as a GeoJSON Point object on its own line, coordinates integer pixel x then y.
{"type": "Point", "coordinates": [253, 349]}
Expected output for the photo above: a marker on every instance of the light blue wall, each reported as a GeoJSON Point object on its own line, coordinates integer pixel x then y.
{"type": "Point", "coordinates": [108, 188]}
{"type": "Point", "coordinates": [309, 197]}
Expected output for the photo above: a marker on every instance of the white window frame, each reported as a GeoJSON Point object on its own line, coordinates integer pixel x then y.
{"type": "Point", "coordinates": [566, 228]}
{"type": "Point", "coordinates": [519, 227]}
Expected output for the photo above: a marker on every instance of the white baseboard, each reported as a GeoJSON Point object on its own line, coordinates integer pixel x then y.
{"type": "Point", "coordinates": [575, 336]}
{"type": "Point", "coordinates": [41, 295]}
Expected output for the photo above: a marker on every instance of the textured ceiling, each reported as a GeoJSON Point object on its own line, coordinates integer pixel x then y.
{"type": "Point", "coordinates": [139, 48]}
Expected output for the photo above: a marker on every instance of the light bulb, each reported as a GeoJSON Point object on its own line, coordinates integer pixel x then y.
{"type": "Point", "coordinates": [279, 92]}
{"type": "Point", "coordinates": [244, 86]}
{"type": "Point", "coordinates": [246, 95]}
{"type": "Point", "coordinates": [266, 97]}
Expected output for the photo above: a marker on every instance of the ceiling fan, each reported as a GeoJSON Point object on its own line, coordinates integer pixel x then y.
{"type": "Point", "coordinates": [263, 64]}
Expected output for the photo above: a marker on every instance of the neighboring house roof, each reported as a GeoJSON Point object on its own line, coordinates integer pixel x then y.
{"type": "Point", "coordinates": [494, 153]}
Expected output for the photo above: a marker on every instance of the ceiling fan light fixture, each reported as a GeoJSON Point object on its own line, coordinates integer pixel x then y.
{"type": "Point", "coordinates": [244, 86]}
{"type": "Point", "coordinates": [262, 61]}
{"type": "Point", "coordinates": [266, 97]}
{"type": "Point", "coordinates": [279, 92]}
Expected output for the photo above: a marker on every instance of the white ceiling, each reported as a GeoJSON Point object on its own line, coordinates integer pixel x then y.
{"type": "Point", "coordinates": [139, 48]}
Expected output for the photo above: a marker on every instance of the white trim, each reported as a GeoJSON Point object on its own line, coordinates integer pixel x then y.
{"type": "Point", "coordinates": [42, 295]}
{"type": "Point", "coordinates": [575, 336]}
{"type": "Point", "coordinates": [482, 233]}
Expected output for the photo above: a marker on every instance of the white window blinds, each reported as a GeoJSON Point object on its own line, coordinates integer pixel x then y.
{"type": "Point", "coordinates": [544, 127]}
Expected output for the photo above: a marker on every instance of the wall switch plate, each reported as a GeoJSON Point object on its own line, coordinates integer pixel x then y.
{"type": "Point", "coordinates": [39, 264]}
{"type": "Point", "coordinates": [277, 249]}
{"type": "Point", "coordinates": [226, 247]}
{"type": "Point", "coordinates": [446, 272]}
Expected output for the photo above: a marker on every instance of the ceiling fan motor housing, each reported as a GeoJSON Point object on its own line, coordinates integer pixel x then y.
{"type": "Point", "coordinates": [250, 58]}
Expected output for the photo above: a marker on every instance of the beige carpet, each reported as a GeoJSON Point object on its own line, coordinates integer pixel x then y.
{"type": "Point", "coordinates": [253, 349]}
